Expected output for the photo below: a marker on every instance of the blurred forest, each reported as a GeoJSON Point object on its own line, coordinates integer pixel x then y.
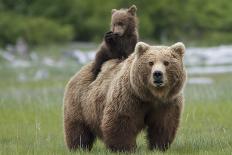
{"type": "Point", "coordinates": [201, 22]}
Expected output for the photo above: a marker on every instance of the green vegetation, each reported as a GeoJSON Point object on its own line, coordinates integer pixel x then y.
{"type": "Point", "coordinates": [36, 30]}
{"type": "Point", "coordinates": [31, 115]}
{"type": "Point", "coordinates": [199, 22]}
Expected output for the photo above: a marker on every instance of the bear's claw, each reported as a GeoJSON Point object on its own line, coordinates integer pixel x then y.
{"type": "Point", "coordinates": [110, 37]}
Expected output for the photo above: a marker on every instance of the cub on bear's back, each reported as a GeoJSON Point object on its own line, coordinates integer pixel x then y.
{"type": "Point", "coordinates": [120, 41]}
{"type": "Point", "coordinates": [144, 91]}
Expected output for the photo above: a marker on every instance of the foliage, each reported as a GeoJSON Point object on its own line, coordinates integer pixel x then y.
{"type": "Point", "coordinates": [36, 30]}
{"type": "Point", "coordinates": [160, 20]}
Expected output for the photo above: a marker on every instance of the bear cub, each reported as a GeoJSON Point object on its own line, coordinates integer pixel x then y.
{"type": "Point", "coordinates": [120, 41]}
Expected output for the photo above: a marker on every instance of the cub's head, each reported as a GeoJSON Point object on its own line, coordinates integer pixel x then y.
{"type": "Point", "coordinates": [124, 21]}
{"type": "Point", "coordinates": [158, 71]}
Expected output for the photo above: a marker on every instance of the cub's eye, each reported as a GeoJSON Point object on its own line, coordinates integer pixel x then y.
{"type": "Point", "coordinates": [151, 63]}
{"type": "Point", "coordinates": [166, 63]}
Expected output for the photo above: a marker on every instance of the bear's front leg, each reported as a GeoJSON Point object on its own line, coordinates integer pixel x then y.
{"type": "Point", "coordinates": [119, 132]}
{"type": "Point", "coordinates": [162, 124]}
{"type": "Point", "coordinates": [77, 135]}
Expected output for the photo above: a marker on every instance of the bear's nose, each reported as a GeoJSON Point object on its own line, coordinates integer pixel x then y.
{"type": "Point", "coordinates": [117, 33]}
{"type": "Point", "coordinates": [157, 75]}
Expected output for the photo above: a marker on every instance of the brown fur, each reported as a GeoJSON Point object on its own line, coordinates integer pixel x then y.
{"type": "Point", "coordinates": [119, 43]}
{"type": "Point", "coordinates": [123, 100]}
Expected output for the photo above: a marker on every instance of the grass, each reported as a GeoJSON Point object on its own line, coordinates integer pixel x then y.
{"type": "Point", "coordinates": [31, 116]}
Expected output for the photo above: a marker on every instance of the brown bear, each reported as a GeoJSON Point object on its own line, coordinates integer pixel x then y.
{"type": "Point", "coordinates": [120, 42]}
{"type": "Point", "coordinates": [142, 92]}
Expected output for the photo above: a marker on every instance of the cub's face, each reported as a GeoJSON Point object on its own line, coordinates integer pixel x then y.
{"type": "Point", "coordinates": [160, 68]}
{"type": "Point", "coordinates": [123, 20]}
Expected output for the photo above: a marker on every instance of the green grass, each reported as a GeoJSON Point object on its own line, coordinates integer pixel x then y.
{"type": "Point", "coordinates": [31, 116]}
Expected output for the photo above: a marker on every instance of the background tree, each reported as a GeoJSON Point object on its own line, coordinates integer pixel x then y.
{"type": "Point", "coordinates": [195, 21]}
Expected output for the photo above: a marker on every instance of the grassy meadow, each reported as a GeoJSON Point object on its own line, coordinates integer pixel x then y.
{"type": "Point", "coordinates": [31, 115]}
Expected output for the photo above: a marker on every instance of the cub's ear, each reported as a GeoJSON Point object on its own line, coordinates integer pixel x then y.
{"type": "Point", "coordinates": [132, 10]}
{"type": "Point", "coordinates": [113, 11]}
{"type": "Point", "coordinates": [140, 48]}
{"type": "Point", "coordinates": [178, 48]}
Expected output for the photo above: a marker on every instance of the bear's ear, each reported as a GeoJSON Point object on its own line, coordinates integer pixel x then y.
{"type": "Point", "coordinates": [178, 48]}
{"type": "Point", "coordinates": [140, 48]}
{"type": "Point", "coordinates": [132, 10]}
{"type": "Point", "coordinates": [113, 11]}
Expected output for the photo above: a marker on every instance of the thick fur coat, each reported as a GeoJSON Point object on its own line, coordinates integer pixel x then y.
{"type": "Point", "coordinates": [120, 42]}
{"type": "Point", "coordinates": [125, 98]}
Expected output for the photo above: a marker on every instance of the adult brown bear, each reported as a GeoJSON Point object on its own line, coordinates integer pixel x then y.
{"type": "Point", "coordinates": [145, 90]}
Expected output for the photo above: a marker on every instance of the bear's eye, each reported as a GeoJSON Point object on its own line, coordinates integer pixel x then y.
{"type": "Point", "coordinates": [151, 63]}
{"type": "Point", "coordinates": [166, 63]}
{"type": "Point", "coordinates": [120, 23]}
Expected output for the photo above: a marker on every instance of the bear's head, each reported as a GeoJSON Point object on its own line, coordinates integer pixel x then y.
{"type": "Point", "coordinates": [124, 21]}
{"type": "Point", "coordinates": [158, 71]}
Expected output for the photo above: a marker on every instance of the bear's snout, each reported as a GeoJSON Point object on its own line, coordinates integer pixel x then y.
{"type": "Point", "coordinates": [158, 75]}
{"type": "Point", "coordinates": [158, 78]}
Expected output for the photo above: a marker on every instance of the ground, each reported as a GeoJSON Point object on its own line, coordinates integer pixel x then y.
{"type": "Point", "coordinates": [31, 115]}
